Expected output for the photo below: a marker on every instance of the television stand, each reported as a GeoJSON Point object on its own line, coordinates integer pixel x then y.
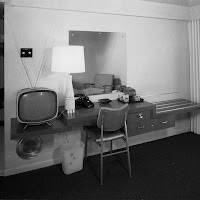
{"type": "Point", "coordinates": [38, 124]}
{"type": "Point", "coordinates": [18, 132]}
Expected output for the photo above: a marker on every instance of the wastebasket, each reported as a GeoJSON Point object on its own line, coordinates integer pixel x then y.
{"type": "Point", "coordinates": [72, 157]}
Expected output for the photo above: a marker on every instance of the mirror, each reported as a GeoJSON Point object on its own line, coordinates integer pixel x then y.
{"type": "Point", "coordinates": [105, 53]}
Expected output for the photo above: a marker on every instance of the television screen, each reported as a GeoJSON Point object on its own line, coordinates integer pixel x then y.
{"type": "Point", "coordinates": [37, 105]}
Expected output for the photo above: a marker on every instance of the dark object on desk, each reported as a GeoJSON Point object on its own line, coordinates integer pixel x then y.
{"type": "Point", "coordinates": [83, 102]}
{"type": "Point", "coordinates": [104, 101]}
{"type": "Point", "coordinates": [87, 103]}
{"type": "Point", "coordinates": [28, 148]}
{"type": "Point", "coordinates": [135, 101]}
{"type": "Point", "coordinates": [132, 94]}
{"type": "Point", "coordinates": [131, 100]}
{"type": "Point", "coordinates": [130, 91]}
{"type": "Point", "coordinates": [79, 103]}
{"type": "Point", "coordinates": [111, 125]}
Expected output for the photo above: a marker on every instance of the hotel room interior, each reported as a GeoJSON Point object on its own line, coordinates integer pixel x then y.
{"type": "Point", "coordinates": [151, 46]}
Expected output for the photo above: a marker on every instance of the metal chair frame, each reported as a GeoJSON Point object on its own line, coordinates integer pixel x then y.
{"type": "Point", "coordinates": [100, 124]}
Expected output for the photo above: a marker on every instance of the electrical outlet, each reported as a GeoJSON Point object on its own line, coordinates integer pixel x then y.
{"type": "Point", "coordinates": [26, 52]}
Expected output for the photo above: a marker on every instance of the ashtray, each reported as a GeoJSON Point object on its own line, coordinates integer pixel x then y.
{"type": "Point", "coordinates": [28, 148]}
{"type": "Point", "coordinates": [105, 101]}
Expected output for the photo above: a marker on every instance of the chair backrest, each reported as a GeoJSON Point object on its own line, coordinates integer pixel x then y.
{"type": "Point", "coordinates": [112, 119]}
{"type": "Point", "coordinates": [103, 79]}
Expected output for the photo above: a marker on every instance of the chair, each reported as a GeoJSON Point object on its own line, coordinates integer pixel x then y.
{"type": "Point", "coordinates": [102, 81]}
{"type": "Point", "coordinates": [111, 125]}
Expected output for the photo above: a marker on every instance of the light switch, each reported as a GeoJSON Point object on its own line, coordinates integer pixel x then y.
{"type": "Point", "coordinates": [26, 52]}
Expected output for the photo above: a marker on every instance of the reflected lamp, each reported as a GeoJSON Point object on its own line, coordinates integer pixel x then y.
{"type": "Point", "coordinates": [68, 59]}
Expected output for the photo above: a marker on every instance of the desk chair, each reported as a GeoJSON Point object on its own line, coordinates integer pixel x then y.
{"type": "Point", "coordinates": [111, 125]}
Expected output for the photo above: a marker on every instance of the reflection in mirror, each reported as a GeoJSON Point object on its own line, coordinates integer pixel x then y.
{"type": "Point", "coordinates": [105, 53]}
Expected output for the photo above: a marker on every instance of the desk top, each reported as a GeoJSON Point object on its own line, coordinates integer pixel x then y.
{"type": "Point", "coordinates": [67, 121]}
{"type": "Point", "coordinates": [88, 116]}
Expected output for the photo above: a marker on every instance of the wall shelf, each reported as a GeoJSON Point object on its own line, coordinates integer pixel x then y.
{"type": "Point", "coordinates": [18, 131]}
{"type": "Point", "coordinates": [155, 116]}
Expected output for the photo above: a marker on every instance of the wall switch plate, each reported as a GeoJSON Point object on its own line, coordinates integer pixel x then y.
{"type": "Point", "coordinates": [26, 52]}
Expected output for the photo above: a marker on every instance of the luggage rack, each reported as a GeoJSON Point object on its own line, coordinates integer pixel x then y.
{"type": "Point", "coordinates": [175, 106]}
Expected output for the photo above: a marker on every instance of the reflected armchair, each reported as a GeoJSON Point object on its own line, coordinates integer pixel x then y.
{"type": "Point", "coordinates": [103, 82]}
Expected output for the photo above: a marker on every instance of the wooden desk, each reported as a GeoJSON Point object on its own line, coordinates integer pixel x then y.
{"type": "Point", "coordinates": [18, 132]}
{"type": "Point", "coordinates": [142, 117]}
{"type": "Point", "coordinates": [89, 116]}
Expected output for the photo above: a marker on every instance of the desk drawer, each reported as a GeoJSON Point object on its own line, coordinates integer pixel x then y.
{"type": "Point", "coordinates": [136, 128]}
{"type": "Point", "coordinates": [138, 116]}
{"type": "Point", "coordinates": [161, 123]}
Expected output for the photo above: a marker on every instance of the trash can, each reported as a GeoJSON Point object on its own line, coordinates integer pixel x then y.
{"type": "Point", "coordinates": [72, 157]}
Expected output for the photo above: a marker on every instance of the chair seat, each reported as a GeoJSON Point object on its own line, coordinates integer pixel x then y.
{"type": "Point", "coordinates": [111, 125]}
{"type": "Point", "coordinates": [96, 132]}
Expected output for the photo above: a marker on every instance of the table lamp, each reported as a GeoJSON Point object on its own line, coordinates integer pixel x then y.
{"type": "Point", "coordinates": [68, 59]}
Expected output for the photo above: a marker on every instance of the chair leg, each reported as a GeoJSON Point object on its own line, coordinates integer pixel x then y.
{"type": "Point", "coordinates": [128, 157]}
{"type": "Point", "coordinates": [101, 179]}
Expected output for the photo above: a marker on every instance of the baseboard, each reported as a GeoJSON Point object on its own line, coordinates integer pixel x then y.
{"type": "Point", "coordinates": [31, 167]}
{"type": "Point", "coordinates": [146, 137]}
{"type": "Point", "coordinates": [134, 140]}
{"type": "Point", "coordinates": [156, 135]}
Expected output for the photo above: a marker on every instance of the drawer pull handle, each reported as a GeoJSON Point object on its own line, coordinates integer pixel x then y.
{"type": "Point", "coordinates": [140, 127]}
{"type": "Point", "coordinates": [140, 116]}
{"type": "Point", "coordinates": [164, 122]}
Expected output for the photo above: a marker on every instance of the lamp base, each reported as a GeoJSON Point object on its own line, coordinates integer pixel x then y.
{"type": "Point", "coordinates": [69, 96]}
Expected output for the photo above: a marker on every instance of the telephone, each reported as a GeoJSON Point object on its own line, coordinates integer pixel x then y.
{"type": "Point", "coordinates": [83, 102]}
{"type": "Point", "coordinates": [87, 103]}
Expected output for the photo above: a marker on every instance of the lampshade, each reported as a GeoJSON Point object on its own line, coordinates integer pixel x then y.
{"type": "Point", "coordinates": [68, 59]}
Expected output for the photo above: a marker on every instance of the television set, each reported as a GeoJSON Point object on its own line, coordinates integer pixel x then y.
{"type": "Point", "coordinates": [36, 105]}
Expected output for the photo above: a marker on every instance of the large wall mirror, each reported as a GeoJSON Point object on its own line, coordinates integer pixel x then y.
{"type": "Point", "coordinates": [105, 53]}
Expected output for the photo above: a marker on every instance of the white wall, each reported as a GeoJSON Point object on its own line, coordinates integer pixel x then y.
{"type": "Point", "coordinates": [195, 12]}
{"type": "Point", "coordinates": [157, 53]}
{"type": "Point", "coordinates": [194, 2]}
{"type": "Point", "coordinates": [119, 7]}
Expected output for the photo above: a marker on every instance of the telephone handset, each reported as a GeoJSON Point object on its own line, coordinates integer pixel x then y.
{"type": "Point", "coordinates": [87, 103]}
{"type": "Point", "coordinates": [83, 101]}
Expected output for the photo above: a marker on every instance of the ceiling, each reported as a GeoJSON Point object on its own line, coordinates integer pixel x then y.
{"type": "Point", "coordinates": [174, 2]}
{"type": "Point", "coordinates": [178, 2]}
